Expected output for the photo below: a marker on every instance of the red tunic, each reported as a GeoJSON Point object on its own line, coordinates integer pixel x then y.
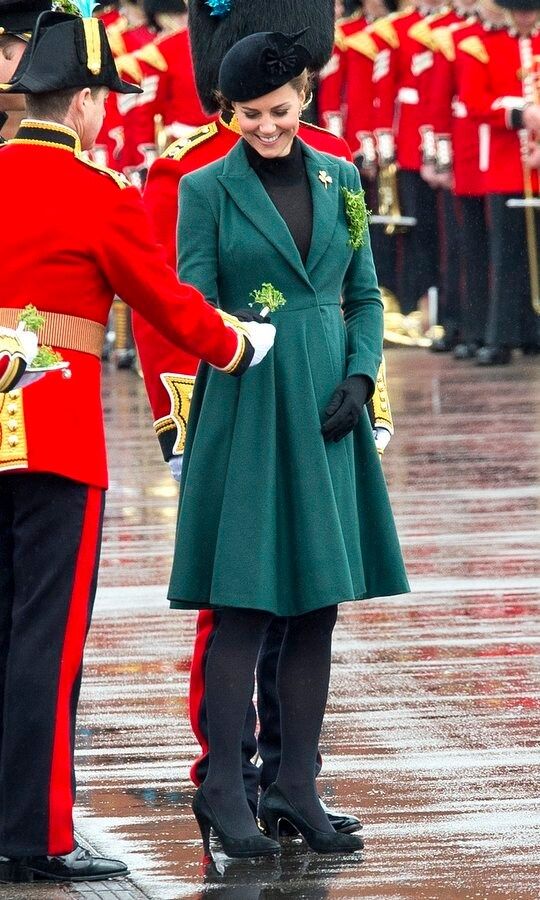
{"type": "Point", "coordinates": [110, 140]}
{"type": "Point", "coordinates": [398, 68]}
{"type": "Point", "coordinates": [81, 238]}
{"type": "Point", "coordinates": [361, 54]}
{"type": "Point", "coordinates": [500, 72]}
{"type": "Point", "coordinates": [164, 69]}
{"type": "Point", "coordinates": [163, 364]}
{"type": "Point", "coordinates": [332, 92]}
{"type": "Point", "coordinates": [447, 113]}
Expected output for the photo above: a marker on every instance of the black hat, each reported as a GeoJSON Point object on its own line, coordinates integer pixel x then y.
{"type": "Point", "coordinates": [216, 25]}
{"type": "Point", "coordinates": [261, 63]}
{"type": "Point", "coordinates": [520, 5]}
{"type": "Point", "coordinates": [19, 17]}
{"type": "Point", "coordinates": [67, 52]}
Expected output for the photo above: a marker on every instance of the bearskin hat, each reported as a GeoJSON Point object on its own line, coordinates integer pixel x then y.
{"type": "Point", "coordinates": [212, 35]}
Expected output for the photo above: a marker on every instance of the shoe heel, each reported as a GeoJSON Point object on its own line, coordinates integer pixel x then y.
{"type": "Point", "coordinates": [204, 826]}
{"type": "Point", "coordinates": [272, 824]}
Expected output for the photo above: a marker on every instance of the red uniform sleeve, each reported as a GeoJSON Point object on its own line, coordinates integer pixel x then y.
{"type": "Point", "coordinates": [360, 92]}
{"type": "Point", "coordinates": [478, 94]}
{"type": "Point", "coordinates": [331, 90]}
{"type": "Point", "coordinates": [136, 270]}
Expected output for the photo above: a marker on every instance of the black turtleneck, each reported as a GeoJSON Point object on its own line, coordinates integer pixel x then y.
{"type": "Point", "coordinates": [285, 180]}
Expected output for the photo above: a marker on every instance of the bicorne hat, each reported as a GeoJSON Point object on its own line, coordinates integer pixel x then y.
{"type": "Point", "coordinates": [520, 5]}
{"type": "Point", "coordinates": [66, 52]}
{"type": "Point", "coordinates": [216, 25]}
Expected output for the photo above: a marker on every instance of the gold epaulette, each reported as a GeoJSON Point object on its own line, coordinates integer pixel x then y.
{"type": "Point", "coordinates": [151, 55]}
{"type": "Point", "coordinates": [384, 28]}
{"type": "Point", "coordinates": [117, 177]}
{"type": "Point", "coordinates": [116, 41]}
{"type": "Point", "coordinates": [474, 47]}
{"type": "Point", "coordinates": [363, 43]}
{"type": "Point", "coordinates": [183, 145]}
{"type": "Point", "coordinates": [442, 38]}
{"type": "Point", "coordinates": [421, 32]}
{"type": "Point", "coordinates": [340, 37]}
{"type": "Point", "coordinates": [126, 64]}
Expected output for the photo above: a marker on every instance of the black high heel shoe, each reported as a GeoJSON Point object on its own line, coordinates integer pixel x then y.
{"type": "Point", "coordinates": [237, 848]}
{"type": "Point", "coordinates": [275, 808]}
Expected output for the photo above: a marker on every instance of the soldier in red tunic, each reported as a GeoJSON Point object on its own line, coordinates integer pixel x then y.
{"type": "Point", "coordinates": [501, 88]}
{"type": "Point", "coordinates": [333, 77]}
{"type": "Point", "coordinates": [68, 252]}
{"type": "Point", "coordinates": [169, 375]}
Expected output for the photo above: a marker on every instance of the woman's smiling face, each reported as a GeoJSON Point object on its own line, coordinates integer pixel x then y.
{"type": "Point", "coordinates": [270, 123]}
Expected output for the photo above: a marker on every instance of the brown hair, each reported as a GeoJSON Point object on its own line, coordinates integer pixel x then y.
{"type": "Point", "coordinates": [302, 82]}
{"type": "Point", "coordinates": [53, 105]}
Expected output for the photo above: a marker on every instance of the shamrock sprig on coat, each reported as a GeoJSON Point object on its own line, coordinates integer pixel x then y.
{"type": "Point", "coordinates": [269, 298]}
{"type": "Point", "coordinates": [357, 217]}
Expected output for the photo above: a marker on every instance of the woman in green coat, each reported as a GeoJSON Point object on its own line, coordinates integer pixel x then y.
{"type": "Point", "coordinates": [283, 507]}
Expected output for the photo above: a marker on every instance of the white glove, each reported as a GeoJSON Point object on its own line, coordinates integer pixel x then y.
{"type": "Point", "coordinates": [175, 465]}
{"type": "Point", "coordinates": [261, 337]}
{"type": "Point", "coordinates": [382, 438]}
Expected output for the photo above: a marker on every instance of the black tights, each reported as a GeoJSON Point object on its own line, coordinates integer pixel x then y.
{"type": "Point", "coordinates": [302, 681]}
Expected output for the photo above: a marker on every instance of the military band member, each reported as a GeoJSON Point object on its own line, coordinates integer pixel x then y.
{"type": "Point", "coordinates": [333, 77]}
{"type": "Point", "coordinates": [406, 54]}
{"type": "Point", "coordinates": [501, 88]}
{"type": "Point", "coordinates": [68, 252]}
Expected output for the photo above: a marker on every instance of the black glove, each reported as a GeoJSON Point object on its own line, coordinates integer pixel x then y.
{"type": "Point", "coordinates": [247, 315]}
{"type": "Point", "coordinates": [343, 411]}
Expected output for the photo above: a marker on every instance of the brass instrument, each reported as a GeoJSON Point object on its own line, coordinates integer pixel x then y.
{"type": "Point", "coordinates": [388, 197]}
{"type": "Point", "coordinates": [531, 92]}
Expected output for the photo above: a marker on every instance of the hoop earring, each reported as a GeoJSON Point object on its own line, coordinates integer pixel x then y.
{"type": "Point", "coordinates": [307, 101]}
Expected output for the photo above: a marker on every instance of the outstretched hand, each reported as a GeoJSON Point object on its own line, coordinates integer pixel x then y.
{"type": "Point", "coordinates": [345, 407]}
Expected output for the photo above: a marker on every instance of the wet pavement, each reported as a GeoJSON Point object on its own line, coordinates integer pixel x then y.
{"type": "Point", "coordinates": [433, 725]}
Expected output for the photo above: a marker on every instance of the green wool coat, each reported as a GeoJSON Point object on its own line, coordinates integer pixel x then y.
{"type": "Point", "coordinates": [271, 517]}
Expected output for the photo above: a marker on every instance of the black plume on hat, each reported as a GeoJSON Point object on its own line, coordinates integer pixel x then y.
{"type": "Point", "coordinates": [261, 63]}
{"type": "Point", "coordinates": [212, 35]}
{"type": "Point", "coordinates": [67, 52]}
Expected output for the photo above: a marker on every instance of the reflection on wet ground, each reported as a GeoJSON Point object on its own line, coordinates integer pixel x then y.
{"type": "Point", "coordinates": [432, 732]}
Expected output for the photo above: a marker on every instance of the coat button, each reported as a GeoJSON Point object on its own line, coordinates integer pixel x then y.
{"type": "Point", "coordinates": [12, 408]}
{"type": "Point", "coordinates": [13, 395]}
{"type": "Point", "coordinates": [13, 440]}
{"type": "Point", "coordinates": [12, 424]}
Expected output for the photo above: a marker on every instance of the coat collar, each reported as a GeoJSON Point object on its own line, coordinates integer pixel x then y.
{"type": "Point", "coordinates": [246, 190]}
{"type": "Point", "coordinates": [48, 134]}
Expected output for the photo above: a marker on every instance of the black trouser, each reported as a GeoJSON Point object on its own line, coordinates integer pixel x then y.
{"type": "Point", "coordinates": [419, 265]}
{"type": "Point", "coordinates": [451, 279]}
{"type": "Point", "coordinates": [268, 741]}
{"type": "Point", "coordinates": [474, 250]}
{"type": "Point", "coordinates": [50, 535]}
{"type": "Point", "coordinates": [512, 321]}
{"type": "Point", "coordinates": [383, 246]}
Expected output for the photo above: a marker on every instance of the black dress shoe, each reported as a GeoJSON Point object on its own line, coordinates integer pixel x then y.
{"type": "Point", "coordinates": [444, 344]}
{"type": "Point", "coordinates": [341, 822]}
{"type": "Point", "coordinates": [530, 349]}
{"type": "Point", "coordinates": [13, 871]}
{"type": "Point", "coordinates": [494, 356]}
{"type": "Point", "coordinates": [79, 865]}
{"type": "Point", "coordinates": [466, 351]}
{"type": "Point", "coordinates": [275, 809]}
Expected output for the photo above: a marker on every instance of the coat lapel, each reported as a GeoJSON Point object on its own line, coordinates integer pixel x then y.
{"type": "Point", "coordinates": [245, 189]}
{"type": "Point", "coordinates": [326, 203]}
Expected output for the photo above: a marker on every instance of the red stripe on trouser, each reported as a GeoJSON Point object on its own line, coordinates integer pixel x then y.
{"type": "Point", "coordinates": [197, 683]}
{"type": "Point", "coordinates": [61, 797]}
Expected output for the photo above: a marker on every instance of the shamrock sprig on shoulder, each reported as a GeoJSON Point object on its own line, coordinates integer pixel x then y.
{"type": "Point", "coordinates": [357, 216]}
